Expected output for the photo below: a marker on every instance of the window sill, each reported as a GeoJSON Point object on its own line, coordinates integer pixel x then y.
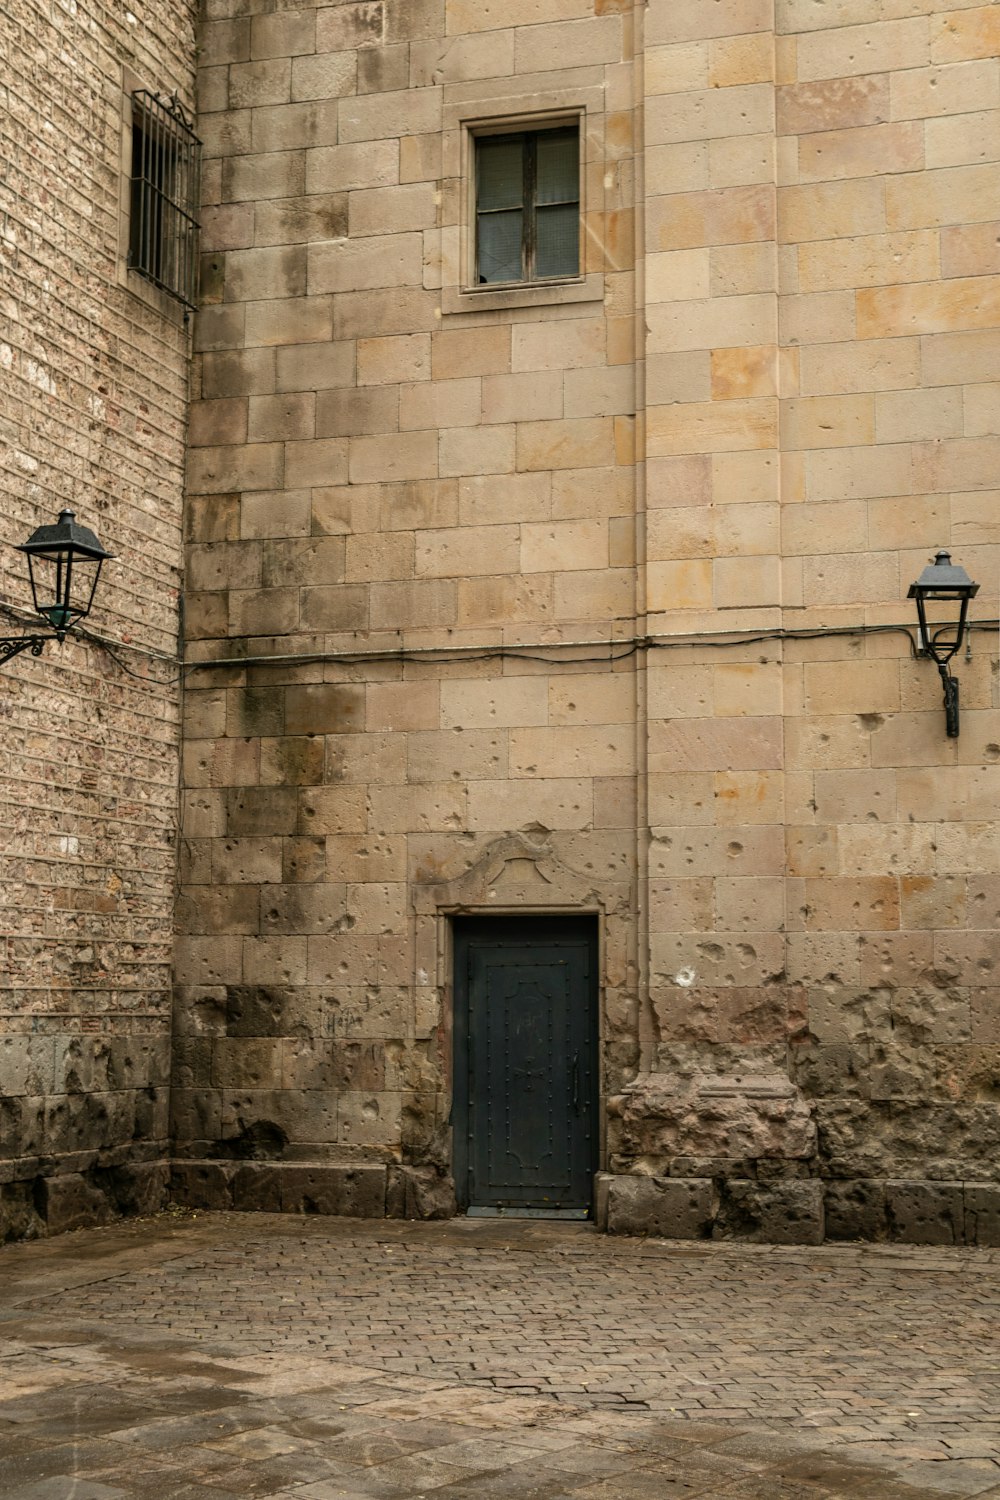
{"type": "Point", "coordinates": [524, 294]}
{"type": "Point", "coordinates": [155, 297]}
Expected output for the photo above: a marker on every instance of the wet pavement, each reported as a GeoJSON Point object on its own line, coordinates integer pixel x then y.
{"type": "Point", "coordinates": [221, 1356]}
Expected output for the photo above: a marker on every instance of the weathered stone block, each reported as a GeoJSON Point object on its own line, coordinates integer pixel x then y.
{"type": "Point", "coordinates": [19, 1216]}
{"type": "Point", "coordinates": [428, 1194]}
{"type": "Point", "coordinates": [72, 1202]}
{"type": "Point", "coordinates": [27, 1064]}
{"type": "Point", "coordinates": [151, 1117]}
{"type": "Point", "coordinates": [355, 1192]}
{"type": "Point", "coordinates": [82, 1064]}
{"type": "Point", "coordinates": [136, 1188]}
{"type": "Point", "coordinates": [773, 1213]}
{"type": "Point", "coordinates": [750, 1110]}
{"type": "Point", "coordinates": [257, 811]}
{"type": "Point", "coordinates": [81, 1122]}
{"type": "Point", "coordinates": [255, 1010]}
{"type": "Point", "coordinates": [196, 1184]}
{"type": "Point", "coordinates": [395, 1193]}
{"type": "Point", "coordinates": [199, 1010]}
{"type": "Point", "coordinates": [675, 1208]}
{"type": "Point", "coordinates": [855, 1210]}
{"type": "Point", "coordinates": [926, 1213]}
{"type": "Point", "coordinates": [323, 708]}
{"type": "Point", "coordinates": [982, 1213]}
{"type": "Point", "coordinates": [246, 1062]}
{"type": "Point", "coordinates": [196, 1113]}
{"type": "Point", "coordinates": [257, 1187]}
{"type": "Point", "coordinates": [712, 1166]}
{"type": "Point", "coordinates": [192, 1062]}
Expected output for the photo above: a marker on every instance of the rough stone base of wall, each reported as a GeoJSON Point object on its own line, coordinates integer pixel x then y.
{"type": "Point", "coordinates": [33, 1207]}
{"type": "Point", "coordinates": [372, 1190]}
{"type": "Point", "coordinates": [786, 1211]}
{"type": "Point", "coordinates": [800, 1211]}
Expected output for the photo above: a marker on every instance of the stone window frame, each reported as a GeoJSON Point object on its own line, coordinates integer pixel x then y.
{"type": "Point", "coordinates": [140, 286]}
{"type": "Point", "coordinates": [484, 114]}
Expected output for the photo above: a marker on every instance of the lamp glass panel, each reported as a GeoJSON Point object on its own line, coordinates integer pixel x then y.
{"type": "Point", "coordinates": [63, 585]}
{"type": "Point", "coordinates": [942, 621]}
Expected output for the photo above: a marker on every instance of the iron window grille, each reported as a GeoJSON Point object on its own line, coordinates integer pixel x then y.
{"type": "Point", "coordinates": [164, 200]}
{"type": "Point", "coordinates": [528, 206]}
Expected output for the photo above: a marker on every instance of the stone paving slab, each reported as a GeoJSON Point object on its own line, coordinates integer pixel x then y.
{"type": "Point", "coordinates": [203, 1357]}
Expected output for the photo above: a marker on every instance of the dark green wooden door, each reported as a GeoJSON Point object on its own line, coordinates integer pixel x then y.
{"type": "Point", "coordinates": [525, 1122]}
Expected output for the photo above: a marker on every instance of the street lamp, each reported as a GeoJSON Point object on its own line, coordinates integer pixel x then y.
{"type": "Point", "coordinates": [943, 583]}
{"type": "Point", "coordinates": [64, 564]}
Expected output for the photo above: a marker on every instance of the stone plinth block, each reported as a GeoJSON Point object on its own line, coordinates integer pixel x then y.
{"type": "Point", "coordinates": [257, 1188]}
{"type": "Point", "coordinates": [427, 1195]}
{"type": "Point", "coordinates": [855, 1210]}
{"type": "Point", "coordinates": [771, 1213]}
{"type": "Point", "coordinates": [982, 1213]}
{"type": "Point", "coordinates": [926, 1213]}
{"type": "Point", "coordinates": [137, 1187]}
{"type": "Point", "coordinates": [19, 1216]}
{"type": "Point", "coordinates": [356, 1192]}
{"type": "Point", "coordinates": [195, 1184]}
{"type": "Point", "coordinates": [72, 1202]}
{"type": "Point", "coordinates": [677, 1208]}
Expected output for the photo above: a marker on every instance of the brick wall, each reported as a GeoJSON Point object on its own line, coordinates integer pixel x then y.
{"type": "Point", "coordinates": [93, 386]}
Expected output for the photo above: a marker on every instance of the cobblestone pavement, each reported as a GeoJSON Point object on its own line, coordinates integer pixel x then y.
{"type": "Point", "coordinates": [209, 1357]}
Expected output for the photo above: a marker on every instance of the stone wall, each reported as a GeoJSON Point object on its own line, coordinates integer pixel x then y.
{"type": "Point", "coordinates": [93, 388]}
{"type": "Point", "coordinates": [424, 488]}
{"type": "Point", "coordinates": [612, 572]}
{"type": "Point", "coordinates": [822, 415]}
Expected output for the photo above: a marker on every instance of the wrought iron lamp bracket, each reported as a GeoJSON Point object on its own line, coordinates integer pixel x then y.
{"type": "Point", "coordinates": [13, 645]}
{"type": "Point", "coordinates": [950, 685]}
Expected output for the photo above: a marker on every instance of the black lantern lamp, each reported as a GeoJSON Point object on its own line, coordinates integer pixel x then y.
{"type": "Point", "coordinates": [941, 634]}
{"type": "Point", "coordinates": [64, 564]}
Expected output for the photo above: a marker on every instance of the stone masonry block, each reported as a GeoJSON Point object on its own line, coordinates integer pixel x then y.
{"type": "Point", "coordinates": [257, 1188]}
{"type": "Point", "coordinates": [195, 1112]}
{"type": "Point", "coordinates": [137, 1188]}
{"type": "Point", "coordinates": [19, 1216]}
{"type": "Point", "coordinates": [355, 1192]}
{"type": "Point", "coordinates": [676, 1208]}
{"type": "Point", "coordinates": [195, 1184]}
{"type": "Point", "coordinates": [428, 1195]}
{"type": "Point", "coordinates": [27, 1065]}
{"type": "Point", "coordinates": [926, 1213]}
{"type": "Point", "coordinates": [855, 1210]}
{"type": "Point", "coordinates": [323, 708]}
{"type": "Point", "coordinates": [395, 1194]}
{"type": "Point", "coordinates": [982, 1213]}
{"type": "Point", "coordinates": [72, 1202]}
{"type": "Point", "coordinates": [773, 1213]}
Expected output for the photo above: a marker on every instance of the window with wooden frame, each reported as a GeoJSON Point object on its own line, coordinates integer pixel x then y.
{"type": "Point", "coordinates": [164, 196]}
{"type": "Point", "coordinates": [527, 205]}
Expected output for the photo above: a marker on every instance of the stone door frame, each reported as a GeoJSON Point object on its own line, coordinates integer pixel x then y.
{"type": "Point", "coordinates": [515, 876]}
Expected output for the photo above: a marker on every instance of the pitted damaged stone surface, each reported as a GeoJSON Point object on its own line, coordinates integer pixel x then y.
{"type": "Point", "coordinates": [292, 1345]}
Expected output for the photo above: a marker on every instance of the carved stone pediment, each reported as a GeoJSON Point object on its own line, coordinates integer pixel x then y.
{"type": "Point", "coordinates": [515, 872]}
